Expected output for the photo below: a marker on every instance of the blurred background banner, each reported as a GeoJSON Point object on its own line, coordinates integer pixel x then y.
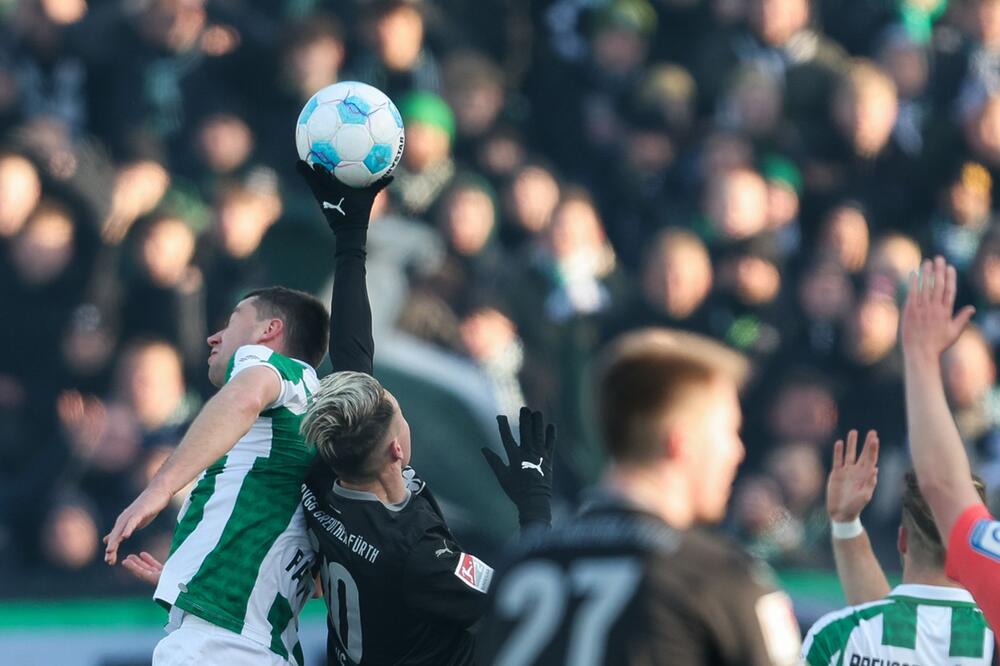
{"type": "Point", "coordinates": [766, 172]}
{"type": "Point", "coordinates": [123, 632]}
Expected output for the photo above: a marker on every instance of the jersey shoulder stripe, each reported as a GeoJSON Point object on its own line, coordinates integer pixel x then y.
{"type": "Point", "coordinates": [827, 637]}
{"type": "Point", "coordinates": [904, 627]}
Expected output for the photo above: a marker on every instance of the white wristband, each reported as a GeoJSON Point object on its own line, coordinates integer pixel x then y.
{"type": "Point", "coordinates": [846, 530]}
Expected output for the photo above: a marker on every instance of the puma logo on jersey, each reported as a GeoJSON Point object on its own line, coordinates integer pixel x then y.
{"type": "Point", "coordinates": [328, 205]}
{"type": "Point", "coordinates": [537, 467]}
{"type": "Point", "coordinates": [443, 551]}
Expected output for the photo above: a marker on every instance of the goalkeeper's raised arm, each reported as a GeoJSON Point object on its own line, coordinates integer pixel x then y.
{"type": "Point", "coordinates": [347, 210]}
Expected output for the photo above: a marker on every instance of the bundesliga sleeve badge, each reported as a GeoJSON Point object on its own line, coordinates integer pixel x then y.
{"type": "Point", "coordinates": [474, 572]}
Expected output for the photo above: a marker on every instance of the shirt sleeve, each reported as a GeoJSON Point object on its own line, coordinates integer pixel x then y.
{"type": "Point", "coordinates": [351, 344]}
{"type": "Point", "coordinates": [442, 581]}
{"type": "Point", "coordinates": [252, 356]}
{"type": "Point", "coordinates": [974, 559]}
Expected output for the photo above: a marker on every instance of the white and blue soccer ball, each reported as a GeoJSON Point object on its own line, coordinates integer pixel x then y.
{"type": "Point", "coordinates": [354, 130]}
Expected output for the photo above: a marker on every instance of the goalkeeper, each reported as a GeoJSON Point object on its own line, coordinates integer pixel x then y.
{"type": "Point", "coordinates": [399, 588]}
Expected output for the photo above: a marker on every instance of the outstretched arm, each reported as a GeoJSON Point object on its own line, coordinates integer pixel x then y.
{"type": "Point", "coordinates": [939, 457]}
{"type": "Point", "coordinates": [347, 210]}
{"type": "Point", "coordinates": [221, 423]}
{"type": "Point", "coordinates": [527, 476]}
{"type": "Point", "coordinates": [848, 490]}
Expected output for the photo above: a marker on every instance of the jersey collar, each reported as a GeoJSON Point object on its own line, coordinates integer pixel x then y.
{"type": "Point", "coordinates": [935, 592]}
{"type": "Point", "coordinates": [366, 496]}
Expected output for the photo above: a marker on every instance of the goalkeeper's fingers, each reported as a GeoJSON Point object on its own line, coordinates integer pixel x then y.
{"type": "Point", "coordinates": [550, 441]}
{"type": "Point", "coordinates": [496, 464]}
{"type": "Point", "coordinates": [507, 438]}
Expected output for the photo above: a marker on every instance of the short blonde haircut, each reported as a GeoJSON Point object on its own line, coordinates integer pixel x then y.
{"type": "Point", "coordinates": [347, 422]}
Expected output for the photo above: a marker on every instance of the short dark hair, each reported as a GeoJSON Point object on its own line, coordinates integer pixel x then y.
{"type": "Point", "coordinates": [307, 323]}
{"type": "Point", "coordinates": [644, 375]}
{"type": "Point", "coordinates": [926, 545]}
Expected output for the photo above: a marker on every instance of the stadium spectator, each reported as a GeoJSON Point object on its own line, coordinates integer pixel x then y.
{"type": "Point", "coordinates": [571, 273]}
{"type": "Point", "coordinates": [491, 341]}
{"type": "Point", "coordinates": [397, 61]}
{"type": "Point", "coordinates": [784, 191]}
{"type": "Point", "coordinates": [970, 383]}
{"type": "Point", "coordinates": [528, 203]}
{"type": "Point", "coordinates": [962, 217]}
{"type": "Point", "coordinates": [762, 521]}
{"type": "Point", "coordinates": [824, 296]}
{"type": "Point", "coordinates": [803, 408]}
{"type": "Point", "coordinates": [984, 282]}
{"type": "Point", "coordinates": [845, 236]}
{"type": "Point", "coordinates": [166, 297]}
{"type": "Point", "coordinates": [798, 471]}
{"type": "Point", "coordinates": [735, 205]}
{"type": "Point", "coordinates": [243, 212]}
{"type": "Point", "coordinates": [777, 37]}
{"type": "Point", "coordinates": [69, 536]}
{"type": "Point", "coordinates": [473, 87]}
{"type": "Point", "coordinates": [871, 366]}
{"type": "Point", "coordinates": [20, 190]}
{"type": "Point", "coordinates": [150, 381]}
{"type": "Point", "coordinates": [748, 308]}
{"type": "Point", "coordinates": [675, 283]}
{"type": "Point", "coordinates": [892, 258]}
{"type": "Point", "coordinates": [223, 143]}
{"type": "Point", "coordinates": [427, 167]}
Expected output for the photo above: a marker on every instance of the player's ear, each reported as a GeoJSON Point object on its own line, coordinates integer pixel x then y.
{"type": "Point", "coordinates": [272, 329]}
{"type": "Point", "coordinates": [902, 540]}
{"type": "Point", "coordinates": [673, 444]}
{"type": "Point", "coordinates": [395, 451]}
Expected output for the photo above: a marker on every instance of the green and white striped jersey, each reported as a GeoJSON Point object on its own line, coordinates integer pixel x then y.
{"type": "Point", "coordinates": [241, 556]}
{"type": "Point", "coordinates": [916, 625]}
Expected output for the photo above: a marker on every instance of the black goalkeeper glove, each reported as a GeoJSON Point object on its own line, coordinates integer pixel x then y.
{"type": "Point", "coordinates": [343, 207]}
{"type": "Point", "coordinates": [527, 479]}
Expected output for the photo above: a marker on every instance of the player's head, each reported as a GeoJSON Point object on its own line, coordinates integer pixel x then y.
{"type": "Point", "coordinates": [668, 401]}
{"type": "Point", "coordinates": [357, 427]}
{"type": "Point", "coordinates": [919, 541]}
{"type": "Point", "coordinates": [290, 322]}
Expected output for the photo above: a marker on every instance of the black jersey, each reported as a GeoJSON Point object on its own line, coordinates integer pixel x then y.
{"type": "Point", "coordinates": [398, 588]}
{"type": "Point", "coordinates": [619, 586]}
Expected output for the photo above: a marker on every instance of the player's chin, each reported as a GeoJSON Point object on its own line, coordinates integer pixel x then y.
{"type": "Point", "coordinates": [214, 373]}
{"type": "Point", "coordinates": [713, 508]}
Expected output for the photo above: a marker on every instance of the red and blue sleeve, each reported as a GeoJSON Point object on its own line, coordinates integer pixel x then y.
{"type": "Point", "coordinates": [974, 559]}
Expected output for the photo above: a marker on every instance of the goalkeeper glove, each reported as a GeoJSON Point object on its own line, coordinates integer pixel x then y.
{"type": "Point", "coordinates": [343, 207]}
{"type": "Point", "coordinates": [527, 479]}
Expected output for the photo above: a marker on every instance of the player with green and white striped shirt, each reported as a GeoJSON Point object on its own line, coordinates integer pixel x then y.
{"type": "Point", "coordinates": [239, 569]}
{"type": "Point", "coordinates": [915, 625]}
{"type": "Point", "coordinates": [928, 619]}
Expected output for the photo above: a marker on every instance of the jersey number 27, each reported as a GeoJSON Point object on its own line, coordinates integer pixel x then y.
{"type": "Point", "coordinates": [538, 593]}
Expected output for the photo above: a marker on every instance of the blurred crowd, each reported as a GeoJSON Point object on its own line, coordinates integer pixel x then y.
{"type": "Point", "coordinates": [767, 172]}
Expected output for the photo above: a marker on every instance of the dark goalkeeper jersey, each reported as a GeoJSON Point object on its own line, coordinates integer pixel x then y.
{"type": "Point", "coordinates": [398, 588]}
{"type": "Point", "coordinates": [619, 586]}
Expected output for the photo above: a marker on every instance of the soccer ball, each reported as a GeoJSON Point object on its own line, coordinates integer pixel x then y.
{"type": "Point", "coordinates": [352, 129]}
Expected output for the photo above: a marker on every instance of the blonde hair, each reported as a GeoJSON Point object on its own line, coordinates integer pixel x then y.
{"type": "Point", "coordinates": [347, 421]}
